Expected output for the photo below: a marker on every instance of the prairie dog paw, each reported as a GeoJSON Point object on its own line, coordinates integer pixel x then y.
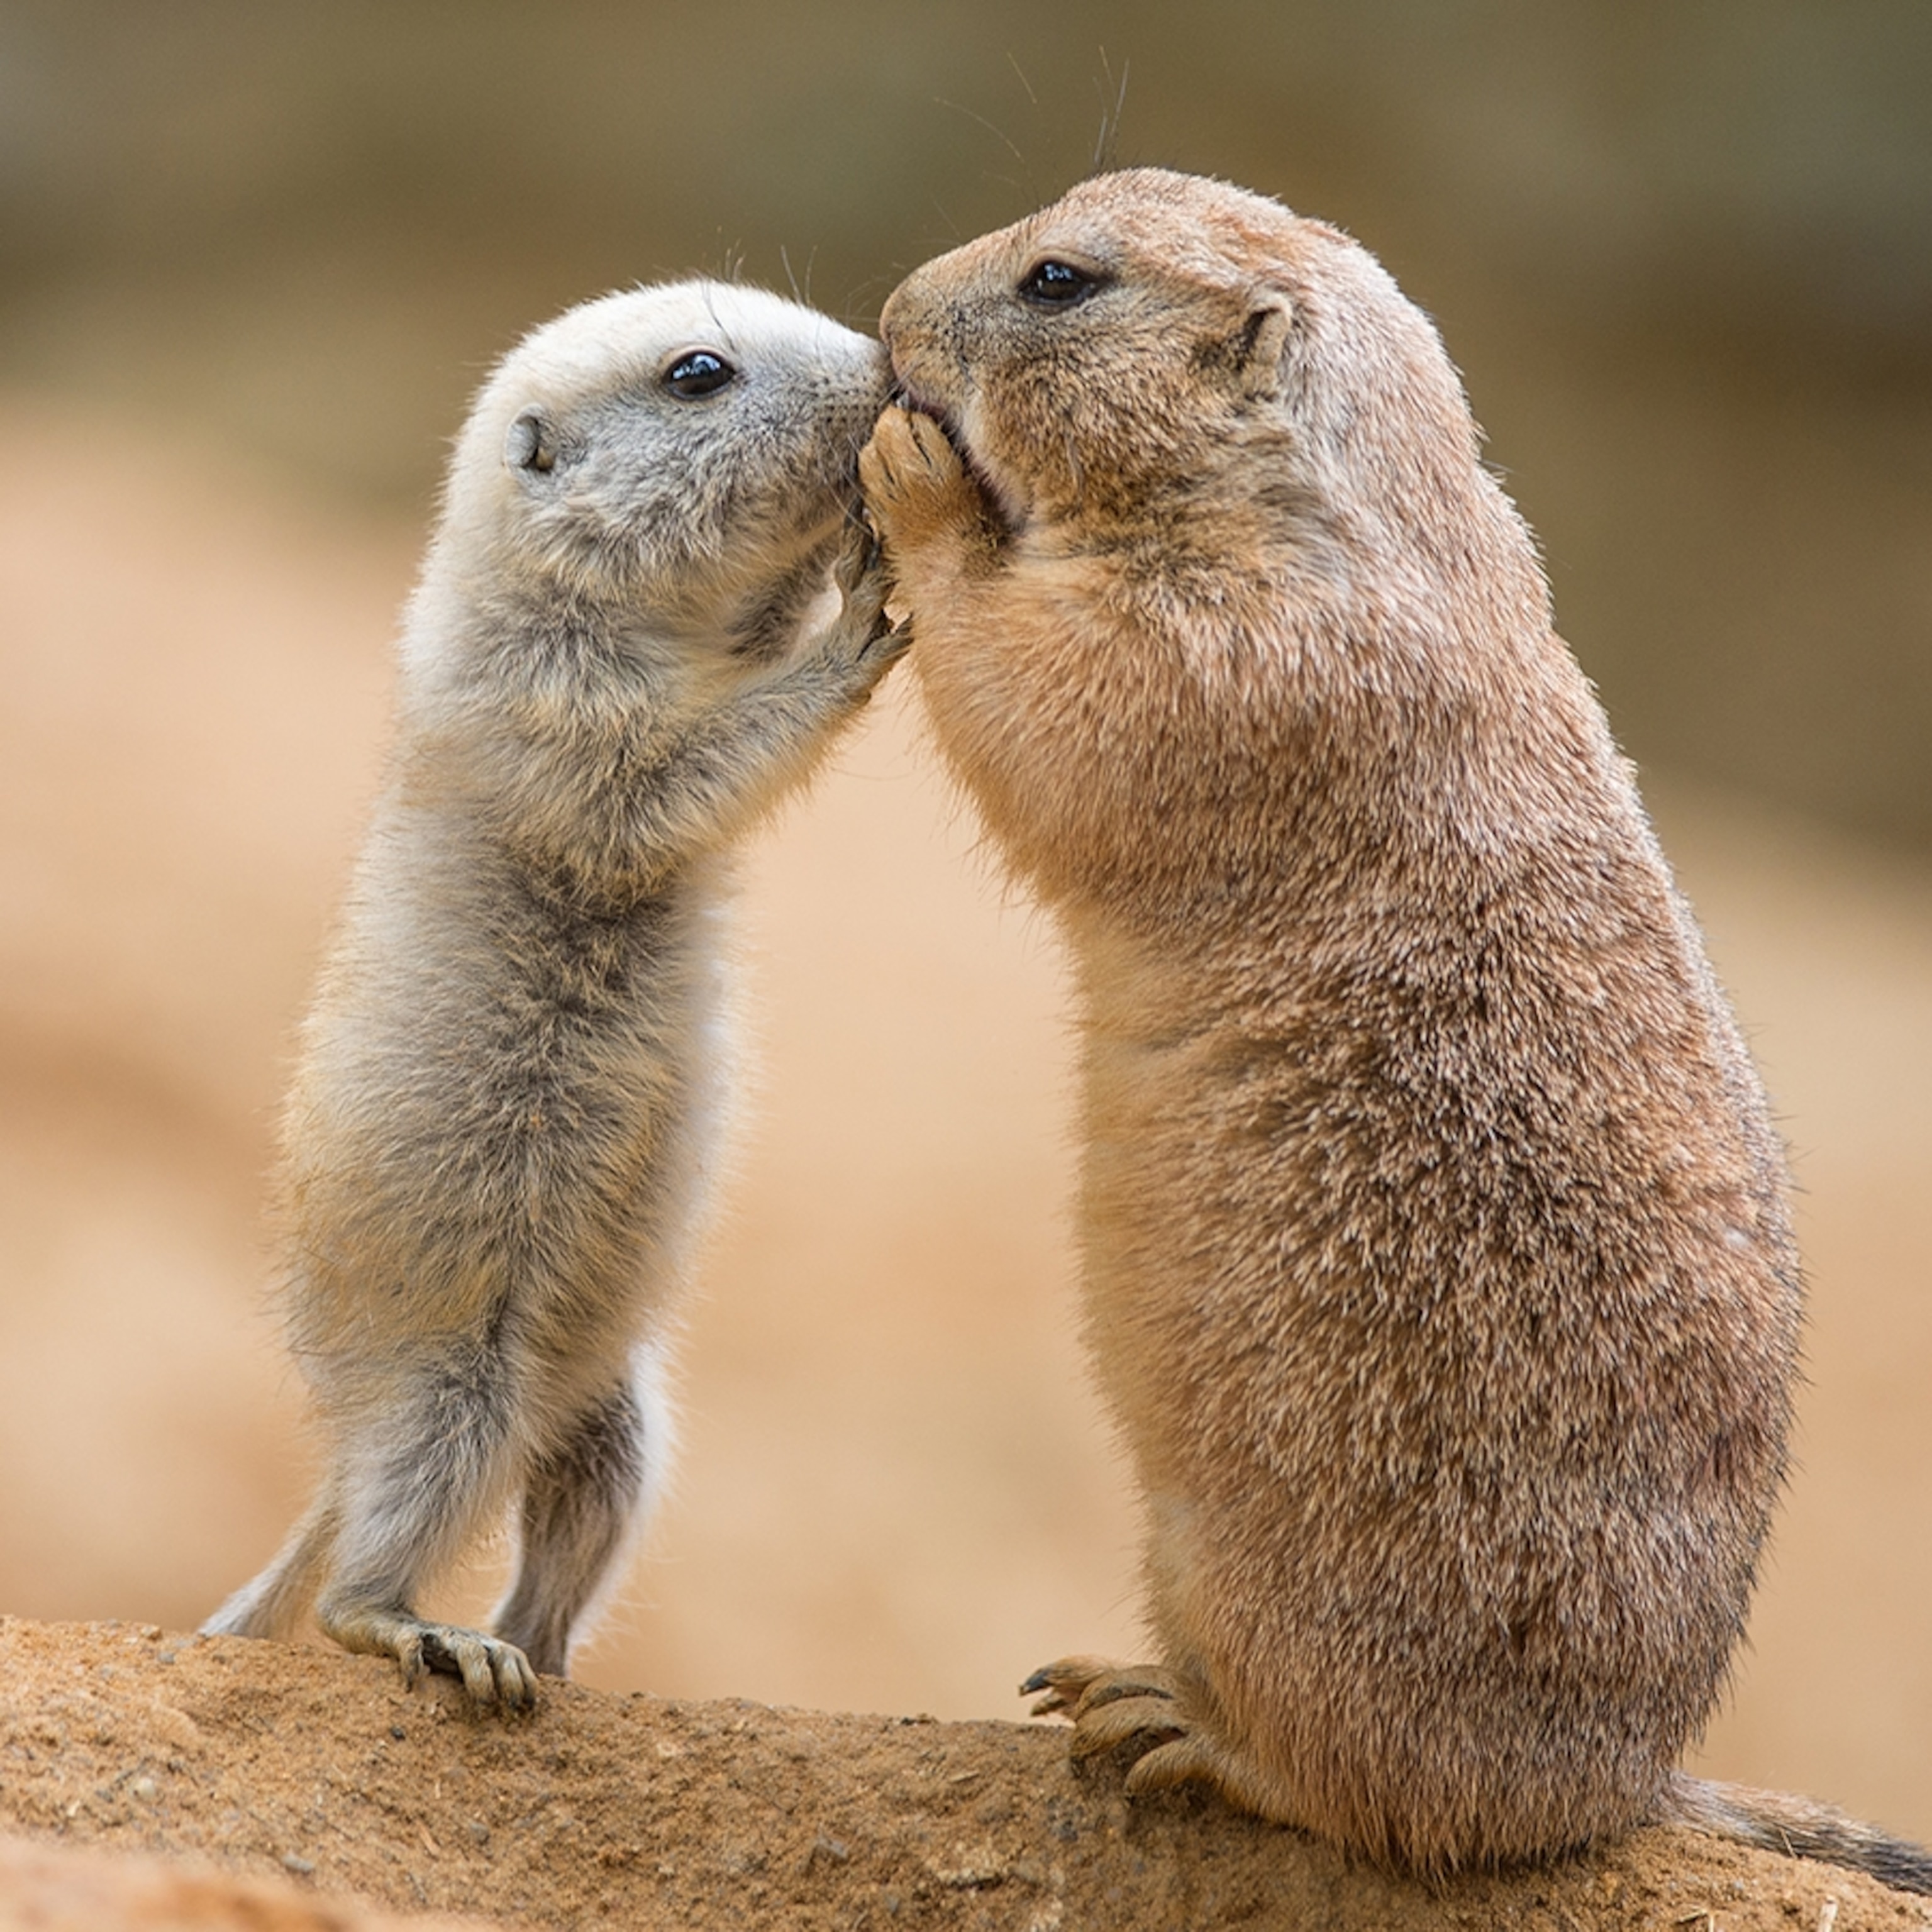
{"type": "Point", "coordinates": [859, 569]}
{"type": "Point", "coordinates": [1110, 1704]}
{"type": "Point", "coordinates": [862, 641]}
{"type": "Point", "coordinates": [496, 1675]}
{"type": "Point", "coordinates": [1145, 1706]}
{"type": "Point", "coordinates": [916, 486]}
{"type": "Point", "coordinates": [909, 452]}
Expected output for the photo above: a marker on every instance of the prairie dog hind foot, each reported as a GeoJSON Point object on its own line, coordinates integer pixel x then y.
{"type": "Point", "coordinates": [1112, 1704]}
{"type": "Point", "coordinates": [495, 1675]}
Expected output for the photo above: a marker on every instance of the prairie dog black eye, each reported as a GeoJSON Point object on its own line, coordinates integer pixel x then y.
{"type": "Point", "coordinates": [1055, 284]}
{"type": "Point", "coordinates": [702, 373]}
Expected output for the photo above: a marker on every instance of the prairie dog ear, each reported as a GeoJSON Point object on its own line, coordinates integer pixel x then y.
{"type": "Point", "coordinates": [1264, 337]}
{"type": "Point", "coordinates": [531, 443]}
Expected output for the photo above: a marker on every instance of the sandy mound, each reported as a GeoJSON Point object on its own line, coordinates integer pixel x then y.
{"type": "Point", "coordinates": [646, 1812]}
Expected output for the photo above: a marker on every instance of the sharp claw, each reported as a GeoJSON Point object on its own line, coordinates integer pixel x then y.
{"type": "Point", "coordinates": [1067, 1673]}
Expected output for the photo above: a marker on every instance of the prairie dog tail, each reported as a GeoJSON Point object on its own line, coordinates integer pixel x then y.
{"type": "Point", "coordinates": [1799, 1827]}
{"type": "Point", "coordinates": [269, 1605]}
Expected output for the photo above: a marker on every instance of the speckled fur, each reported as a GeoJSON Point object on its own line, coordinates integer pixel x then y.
{"type": "Point", "coordinates": [1436, 1260]}
{"type": "Point", "coordinates": [624, 649]}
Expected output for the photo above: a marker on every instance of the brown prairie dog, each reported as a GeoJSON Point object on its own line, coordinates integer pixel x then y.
{"type": "Point", "coordinates": [1435, 1259]}
{"type": "Point", "coordinates": [501, 1135]}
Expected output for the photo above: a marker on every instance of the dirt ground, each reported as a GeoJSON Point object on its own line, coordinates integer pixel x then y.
{"type": "Point", "coordinates": [271, 1762]}
{"type": "Point", "coordinates": [896, 1493]}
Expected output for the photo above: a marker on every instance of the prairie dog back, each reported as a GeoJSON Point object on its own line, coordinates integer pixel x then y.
{"type": "Point", "coordinates": [626, 646]}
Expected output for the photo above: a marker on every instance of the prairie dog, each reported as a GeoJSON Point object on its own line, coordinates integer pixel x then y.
{"type": "Point", "coordinates": [1436, 1262]}
{"type": "Point", "coordinates": [502, 1130]}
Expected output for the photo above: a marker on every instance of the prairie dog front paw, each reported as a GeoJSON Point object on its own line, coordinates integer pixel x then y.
{"type": "Point", "coordinates": [861, 642]}
{"type": "Point", "coordinates": [917, 491]}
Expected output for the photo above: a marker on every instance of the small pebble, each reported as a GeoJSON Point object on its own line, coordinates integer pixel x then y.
{"type": "Point", "coordinates": [301, 1867]}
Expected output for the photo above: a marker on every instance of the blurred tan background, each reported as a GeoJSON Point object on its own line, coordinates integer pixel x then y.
{"type": "Point", "coordinates": [252, 258]}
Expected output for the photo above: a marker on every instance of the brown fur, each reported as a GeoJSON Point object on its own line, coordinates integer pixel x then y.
{"type": "Point", "coordinates": [1436, 1260]}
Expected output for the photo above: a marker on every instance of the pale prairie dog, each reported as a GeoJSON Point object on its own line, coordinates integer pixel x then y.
{"type": "Point", "coordinates": [502, 1129]}
{"type": "Point", "coordinates": [1436, 1262]}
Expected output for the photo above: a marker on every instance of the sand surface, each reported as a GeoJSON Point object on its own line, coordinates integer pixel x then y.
{"type": "Point", "coordinates": [272, 1764]}
{"type": "Point", "coordinates": [896, 1492]}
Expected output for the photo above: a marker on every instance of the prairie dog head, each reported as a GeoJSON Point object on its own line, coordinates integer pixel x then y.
{"type": "Point", "coordinates": [686, 451]}
{"type": "Point", "coordinates": [1125, 355]}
